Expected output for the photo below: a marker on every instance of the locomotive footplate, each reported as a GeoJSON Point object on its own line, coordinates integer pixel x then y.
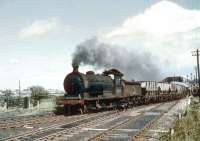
{"type": "Point", "coordinates": [73, 102]}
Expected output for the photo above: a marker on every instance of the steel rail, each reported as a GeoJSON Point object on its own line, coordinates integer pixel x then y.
{"type": "Point", "coordinates": [63, 123]}
{"type": "Point", "coordinates": [119, 125]}
{"type": "Point", "coordinates": [150, 125]}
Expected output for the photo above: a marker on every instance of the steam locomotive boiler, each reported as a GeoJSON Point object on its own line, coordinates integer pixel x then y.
{"type": "Point", "coordinates": [108, 90]}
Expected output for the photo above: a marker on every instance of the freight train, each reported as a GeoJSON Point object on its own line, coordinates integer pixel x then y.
{"type": "Point", "coordinates": [93, 92]}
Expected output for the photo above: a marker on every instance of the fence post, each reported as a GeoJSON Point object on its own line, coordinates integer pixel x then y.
{"type": "Point", "coordinates": [5, 106]}
{"type": "Point", "coordinates": [29, 103]}
{"type": "Point", "coordinates": [38, 104]}
{"type": "Point", "coordinates": [171, 132]}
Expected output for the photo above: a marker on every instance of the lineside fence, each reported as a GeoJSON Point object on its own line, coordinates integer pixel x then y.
{"type": "Point", "coordinates": [8, 103]}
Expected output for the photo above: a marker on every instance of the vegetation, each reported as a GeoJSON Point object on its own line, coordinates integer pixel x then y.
{"type": "Point", "coordinates": [10, 99]}
{"type": "Point", "coordinates": [38, 93]}
{"type": "Point", "coordinates": [59, 110]}
{"type": "Point", "coordinates": [7, 92]}
{"type": "Point", "coordinates": [188, 127]}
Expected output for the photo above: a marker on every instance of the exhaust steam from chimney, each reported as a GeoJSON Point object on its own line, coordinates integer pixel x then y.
{"type": "Point", "coordinates": [134, 65]}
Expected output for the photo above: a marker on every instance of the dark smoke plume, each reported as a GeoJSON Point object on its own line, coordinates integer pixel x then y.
{"type": "Point", "coordinates": [134, 65]}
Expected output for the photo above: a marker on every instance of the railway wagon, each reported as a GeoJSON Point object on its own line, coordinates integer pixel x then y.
{"type": "Point", "coordinates": [90, 91]}
{"type": "Point", "coordinates": [131, 89]}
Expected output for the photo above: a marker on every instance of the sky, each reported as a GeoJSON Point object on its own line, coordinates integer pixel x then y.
{"type": "Point", "coordinates": [38, 37]}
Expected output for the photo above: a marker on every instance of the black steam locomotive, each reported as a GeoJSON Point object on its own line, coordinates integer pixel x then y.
{"type": "Point", "coordinates": [90, 91]}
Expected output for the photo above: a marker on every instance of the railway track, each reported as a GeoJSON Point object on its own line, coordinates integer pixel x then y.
{"type": "Point", "coordinates": [110, 125]}
{"type": "Point", "coordinates": [72, 122]}
{"type": "Point", "coordinates": [123, 124]}
{"type": "Point", "coordinates": [151, 124]}
{"type": "Point", "coordinates": [18, 115]}
{"type": "Point", "coordinates": [120, 127]}
{"type": "Point", "coordinates": [33, 121]}
{"type": "Point", "coordinates": [74, 129]}
{"type": "Point", "coordinates": [134, 128]}
{"type": "Point", "coordinates": [14, 121]}
{"type": "Point", "coordinates": [116, 117]}
{"type": "Point", "coordinates": [26, 121]}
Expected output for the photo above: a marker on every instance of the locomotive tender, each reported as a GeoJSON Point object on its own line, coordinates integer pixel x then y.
{"type": "Point", "coordinates": [92, 91]}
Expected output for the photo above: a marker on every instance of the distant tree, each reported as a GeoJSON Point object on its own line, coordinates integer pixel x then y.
{"type": "Point", "coordinates": [133, 80]}
{"type": "Point", "coordinates": [7, 92]}
{"type": "Point", "coordinates": [38, 92]}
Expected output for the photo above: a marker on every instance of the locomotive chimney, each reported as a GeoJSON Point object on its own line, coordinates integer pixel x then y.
{"type": "Point", "coordinates": [75, 67]}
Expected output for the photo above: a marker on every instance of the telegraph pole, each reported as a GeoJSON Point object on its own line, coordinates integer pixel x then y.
{"type": "Point", "coordinates": [196, 80]}
{"type": "Point", "coordinates": [196, 53]}
{"type": "Point", "coordinates": [190, 83]}
{"type": "Point", "coordinates": [19, 89]}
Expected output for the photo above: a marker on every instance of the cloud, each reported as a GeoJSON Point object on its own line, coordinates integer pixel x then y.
{"type": "Point", "coordinates": [166, 30]}
{"type": "Point", "coordinates": [14, 61]}
{"type": "Point", "coordinates": [162, 18]}
{"type": "Point", "coordinates": [42, 27]}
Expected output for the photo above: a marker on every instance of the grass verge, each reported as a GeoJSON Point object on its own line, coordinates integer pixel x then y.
{"type": "Point", "coordinates": [187, 128]}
